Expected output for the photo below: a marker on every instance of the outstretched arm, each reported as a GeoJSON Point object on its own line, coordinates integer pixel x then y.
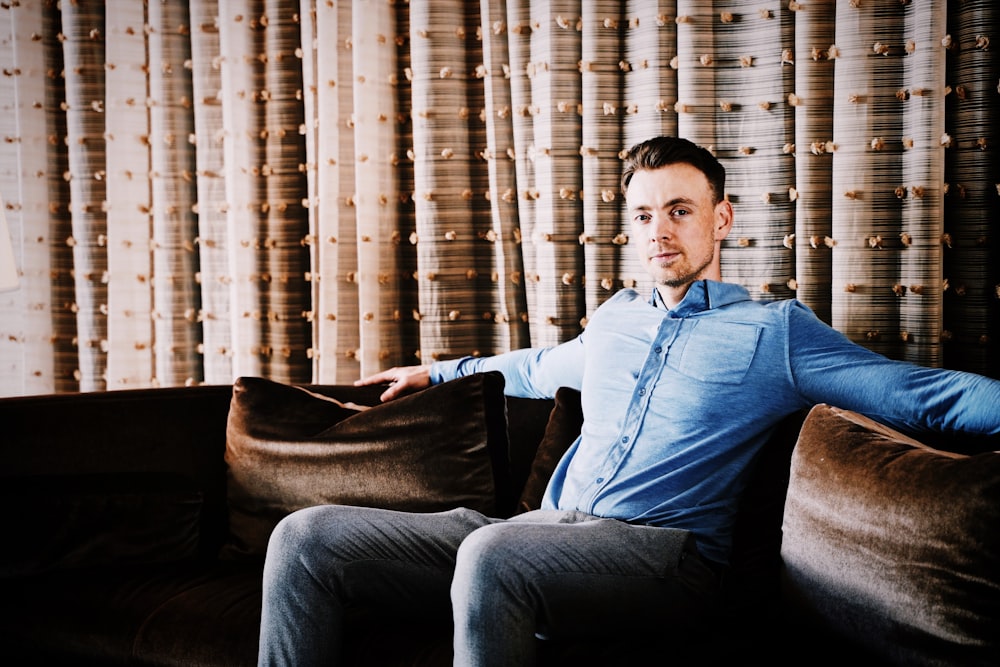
{"type": "Point", "coordinates": [828, 368]}
{"type": "Point", "coordinates": [528, 372]}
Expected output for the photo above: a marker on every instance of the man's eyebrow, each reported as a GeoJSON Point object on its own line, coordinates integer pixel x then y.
{"type": "Point", "coordinates": [673, 202]}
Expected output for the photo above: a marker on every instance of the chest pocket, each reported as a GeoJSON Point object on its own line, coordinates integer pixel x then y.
{"type": "Point", "coordinates": [719, 351]}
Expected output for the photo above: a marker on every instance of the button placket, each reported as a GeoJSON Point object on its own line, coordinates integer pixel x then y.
{"type": "Point", "coordinates": [651, 369]}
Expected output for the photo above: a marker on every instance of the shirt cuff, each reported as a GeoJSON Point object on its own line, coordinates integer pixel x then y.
{"type": "Point", "coordinates": [442, 371]}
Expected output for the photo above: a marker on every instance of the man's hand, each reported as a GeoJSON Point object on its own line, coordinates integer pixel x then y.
{"type": "Point", "coordinates": [402, 380]}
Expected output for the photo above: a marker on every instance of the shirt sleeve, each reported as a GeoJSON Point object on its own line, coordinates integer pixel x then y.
{"type": "Point", "coordinates": [827, 367]}
{"type": "Point", "coordinates": [528, 373]}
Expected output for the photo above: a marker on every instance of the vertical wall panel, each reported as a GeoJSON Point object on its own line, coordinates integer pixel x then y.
{"type": "Point", "coordinates": [240, 52]}
{"type": "Point", "coordinates": [379, 238]}
{"type": "Point", "coordinates": [213, 241]}
{"type": "Point", "coordinates": [601, 94]}
{"type": "Point", "coordinates": [130, 270]}
{"type": "Point", "coordinates": [812, 99]}
{"type": "Point", "coordinates": [501, 155]}
{"type": "Point", "coordinates": [28, 342]}
{"type": "Point", "coordinates": [335, 235]}
{"type": "Point", "coordinates": [519, 32]}
{"type": "Point", "coordinates": [868, 146]}
{"type": "Point", "coordinates": [454, 260]}
{"type": "Point", "coordinates": [403, 159]}
{"type": "Point", "coordinates": [286, 267]}
{"type": "Point", "coordinates": [556, 102]}
{"type": "Point", "coordinates": [176, 295]}
{"type": "Point", "coordinates": [83, 49]}
{"type": "Point", "coordinates": [752, 65]}
{"type": "Point", "coordinates": [650, 70]}
{"type": "Point", "coordinates": [59, 230]}
{"type": "Point", "coordinates": [12, 333]}
{"type": "Point", "coordinates": [972, 237]}
{"type": "Point", "coordinates": [918, 287]}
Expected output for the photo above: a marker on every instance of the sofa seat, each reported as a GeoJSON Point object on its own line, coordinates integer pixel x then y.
{"type": "Point", "coordinates": [179, 613]}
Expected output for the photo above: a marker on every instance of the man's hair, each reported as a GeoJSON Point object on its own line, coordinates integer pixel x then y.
{"type": "Point", "coordinates": [663, 151]}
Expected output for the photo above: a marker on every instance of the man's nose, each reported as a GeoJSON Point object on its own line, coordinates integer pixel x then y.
{"type": "Point", "coordinates": [660, 228]}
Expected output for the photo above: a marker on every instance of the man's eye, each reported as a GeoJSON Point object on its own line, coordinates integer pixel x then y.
{"type": "Point", "coordinates": [681, 211]}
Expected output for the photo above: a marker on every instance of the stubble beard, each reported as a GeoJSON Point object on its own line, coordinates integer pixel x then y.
{"type": "Point", "coordinates": [689, 277]}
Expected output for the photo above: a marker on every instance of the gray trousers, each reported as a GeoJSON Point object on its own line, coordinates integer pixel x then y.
{"type": "Point", "coordinates": [540, 574]}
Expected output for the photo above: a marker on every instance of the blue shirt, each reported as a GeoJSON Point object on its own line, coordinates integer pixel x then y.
{"type": "Point", "coordinates": [678, 402]}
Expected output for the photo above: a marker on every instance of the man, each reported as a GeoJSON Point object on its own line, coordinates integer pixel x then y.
{"type": "Point", "coordinates": [679, 393]}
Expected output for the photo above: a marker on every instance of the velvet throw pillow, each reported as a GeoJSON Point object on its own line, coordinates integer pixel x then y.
{"type": "Point", "coordinates": [893, 544]}
{"type": "Point", "coordinates": [289, 448]}
{"type": "Point", "coordinates": [561, 430]}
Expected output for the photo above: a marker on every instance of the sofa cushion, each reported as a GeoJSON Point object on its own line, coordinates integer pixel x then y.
{"type": "Point", "coordinates": [561, 430]}
{"type": "Point", "coordinates": [289, 448]}
{"type": "Point", "coordinates": [893, 543]}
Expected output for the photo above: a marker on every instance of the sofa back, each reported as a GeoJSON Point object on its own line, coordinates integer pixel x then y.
{"type": "Point", "coordinates": [139, 476]}
{"type": "Point", "coordinates": [89, 478]}
{"type": "Point", "coordinates": [112, 477]}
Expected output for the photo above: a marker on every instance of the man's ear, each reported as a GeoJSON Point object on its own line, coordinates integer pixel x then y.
{"type": "Point", "coordinates": [723, 219]}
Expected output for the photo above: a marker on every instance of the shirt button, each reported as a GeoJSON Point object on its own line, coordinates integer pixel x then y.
{"type": "Point", "coordinates": [600, 480]}
{"type": "Point", "coordinates": [642, 392]}
{"type": "Point", "coordinates": [658, 349]}
{"type": "Point", "coordinates": [625, 439]}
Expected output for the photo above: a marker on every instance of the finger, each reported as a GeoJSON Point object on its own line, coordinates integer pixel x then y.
{"type": "Point", "coordinates": [377, 378]}
{"type": "Point", "coordinates": [395, 390]}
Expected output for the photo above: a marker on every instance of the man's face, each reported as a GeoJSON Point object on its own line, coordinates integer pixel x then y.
{"type": "Point", "coordinates": [676, 225]}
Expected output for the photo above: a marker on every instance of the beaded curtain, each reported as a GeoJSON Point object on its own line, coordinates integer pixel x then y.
{"type": "Point", "coordinates": [313, 191]}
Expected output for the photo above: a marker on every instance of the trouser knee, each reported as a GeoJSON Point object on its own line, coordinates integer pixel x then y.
{"type": "Point", "coordinates": [292, 538]}
{"type": "Point", "coordinates": [490, 556]}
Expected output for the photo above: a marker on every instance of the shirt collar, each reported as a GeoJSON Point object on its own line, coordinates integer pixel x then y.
{"type": "Point", "coordinates": [703, 295]}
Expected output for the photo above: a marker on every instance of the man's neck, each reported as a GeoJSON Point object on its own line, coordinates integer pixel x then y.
{"type": "Point", "coordinates": [671, 296]}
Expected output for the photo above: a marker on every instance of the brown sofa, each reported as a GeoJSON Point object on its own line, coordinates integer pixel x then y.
{"type": "Point", "coordinates": [136, 521]}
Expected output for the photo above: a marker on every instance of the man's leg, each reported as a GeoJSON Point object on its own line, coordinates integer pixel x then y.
{"type": "Point", "coordinates": [567, 573]}
{"type": "Point", "coordinates": [322, 560]}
